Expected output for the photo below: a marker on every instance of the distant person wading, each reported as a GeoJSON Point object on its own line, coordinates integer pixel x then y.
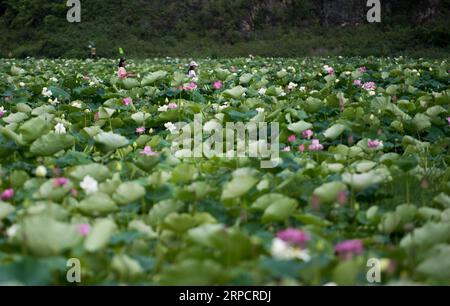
{"type": "Point", "coordinates": [191, 72]}
{"type": "Point", "coordinates": [122, 73]}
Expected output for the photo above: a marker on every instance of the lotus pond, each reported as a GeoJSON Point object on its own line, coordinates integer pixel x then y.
{"type": "Point", "coordinates": [362, 182]}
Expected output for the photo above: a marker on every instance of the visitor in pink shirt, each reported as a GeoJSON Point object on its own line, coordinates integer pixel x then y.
{"type": "Point", "coordinates": [122, 73]}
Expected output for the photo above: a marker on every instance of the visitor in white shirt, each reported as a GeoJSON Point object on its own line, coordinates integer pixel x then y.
{"type": "Point", "coordinates": [191, 72]}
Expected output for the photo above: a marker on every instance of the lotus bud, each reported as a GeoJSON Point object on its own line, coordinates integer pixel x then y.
{"type": "Point", "coordinates": [41, 171]}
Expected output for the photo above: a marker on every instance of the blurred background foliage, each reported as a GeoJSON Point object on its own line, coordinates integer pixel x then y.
{"type": "Point", "coordinates": [224, 28]}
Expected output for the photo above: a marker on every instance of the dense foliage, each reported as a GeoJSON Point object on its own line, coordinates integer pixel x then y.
{"type": "Point", "coordinates": [87, 172]}
{"type": "Point", "coordinates": [219, 28]}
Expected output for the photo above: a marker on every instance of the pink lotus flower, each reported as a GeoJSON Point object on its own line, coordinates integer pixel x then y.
{"type": "Point", "coordinates": [292, 138]}
{"type": "Point", "coordinates": [7, 194]}
{"type": "Point", "coordinates": [301, 148]}
{"type": "Point", "coordinates": [294, 236]}
{"type": "Point", "coordinates": [1, 113]}
{"type": "Point", "coordinates": [60, 182]}
{"type": "Point", "coordinates": [307, 134]}
{"type": "Point", "coordinates": [148, 151]}
{"type": "Point", "coordinates": [362, 69]}
{"type": "Point", "coordinates": [369, 86]}
{"type": "Point", "coordinates": [127, 101]}
{"type": "Point", "coordinates": [373, 144]}
{"type": "Point", "coordinates": [287, 149]}
{"type": "Point", "coordinates": [97, 116]}
{"type": "Point", "coordinates": [190, 86]}
{"type": "Point", "coordinates": [448, 120]}
{"type": "Point", "coordinates": [172, 106]}
{"type": "Point", "coordinates": [357, 82]}
{"type": "Point", "coordinates": [329, 70]}
{"type": "Point", "coordinates": [315, 145]}
{"type": "Point", "coordinates": [74, 192]}
{"type": "Point", "coordinates": [217, 85]}
{"type": "Point", "coordinates": [349, 248]}
{"type": "Point", "coordinates": [84, 229]}
{"type": "Point", "coordinates": [140, 130]}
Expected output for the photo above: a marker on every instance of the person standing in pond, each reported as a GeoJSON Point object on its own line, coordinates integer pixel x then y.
{"type": "Point", "coordinates": [192, 70]}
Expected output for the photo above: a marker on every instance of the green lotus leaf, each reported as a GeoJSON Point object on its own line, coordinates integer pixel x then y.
{"type": "Point", "coordinates": [140, 117]}
{"type": "Point", "coordinates": [128, 192]}
{"type": "Point", "coordinates": [238, 186]}
{"type": "Point", "coordinates": [52, 143]}
{"type": "Point", "coordinates": [360, 182]}
{"type": "Point", "coordinates": [45, 236]}
{"type": "Point", "coordinates": [299, 127]}
{"type": "Point", "coordinates": [245, 78]}
{"type": "Point", "coordinates": [110, 141]}
{"type": "Point", "coordinates": [97, 171]}
{"type": "Point", "coordinates": [153, 77]}
{"type": "Point", "coordinates": [5, 210]}
{"type": "Point", "coordinates": [266, 200]}
{"type": "Point", "coordinates": [421, 122]}
{"type": "Point", "coordinates": [33, 129]}
{"type": "Point", "coordinates": [130, 83]}
{"type": "Point", "coordinates": [162, 209]}
{"type": "Point", "coordinates": [235, 92]}
{"type": "Point", "coordinates": [97, 203]}
{"type": "Point", "coordinates": [15, 118]}
{"type": "Point", "coordinates": [280, 211]}
{"type": "Point", "coordinates": [100, 235]}
{"type": "Point", "coordinates": [125, 266]}
{"type": "Point", "coordinates": [335, 131]}
{"type": "Point", "coordinates": [328, 192]}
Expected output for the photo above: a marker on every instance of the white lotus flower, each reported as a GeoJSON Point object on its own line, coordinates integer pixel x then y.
{"type": "Point", "coordinates": [163, 108]}
{"type": "Point", "coordinates": [260, 110]}
{"type": "Point", "coordinates": [282, 250]}
{"type": "Point", "coordinates": [372, 93]}
{"type": "Point", "coordinates": [53, 102]}
{"type": "Point", "coordinates": [170, 126]}
{"type": "Point", "coordinates": [91, 83]}
{"type": "Point", "coordinates": [89, 185]}
{"type": "Point", "coordinates": [262, 91]}
{"type": "Point", "coordinates": [53, 79]}
{"type": "Point", "coordinates": [303, 88]}
{"type": "Point", "coordinates": [2, 110]}
{"type": "Point", "coordinates": [22, 84]}
{"type": "Point", "coordinates": [41, 171]}
{"type": "Point", "coordinates": [76, 104]}
{"type": "Point", "coordinates": [60, 129]}
{"type": "Point", "coordinates": [46, 92]}
{"type": "Point", "coordinates": [12, 231]}
{"type": "Point", "coordinates": [292, 85]}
